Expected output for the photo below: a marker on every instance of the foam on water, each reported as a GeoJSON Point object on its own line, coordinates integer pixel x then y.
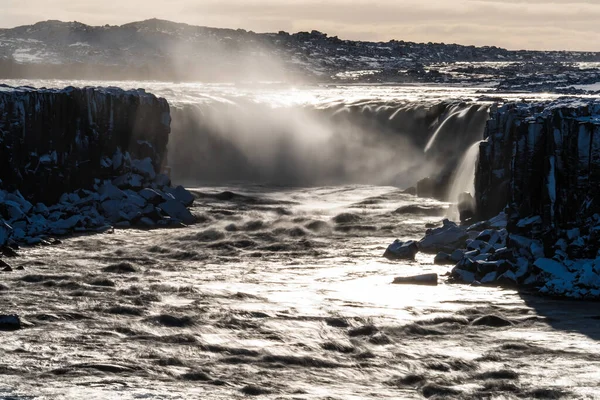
{"type": "Point", "coordinates": [231, 307]}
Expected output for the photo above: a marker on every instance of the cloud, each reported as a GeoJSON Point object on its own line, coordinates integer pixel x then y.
{"type": "Point", "coordinates": [515, 24]}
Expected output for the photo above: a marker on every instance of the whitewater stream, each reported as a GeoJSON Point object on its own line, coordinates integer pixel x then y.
{"type": "Point", "coordinates": [281, 291]}
{"type": "Point", "coordinates": [284, 293]}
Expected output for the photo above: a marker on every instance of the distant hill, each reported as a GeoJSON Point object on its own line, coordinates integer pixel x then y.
{"type": "Point", "coordinates": [164, 50]}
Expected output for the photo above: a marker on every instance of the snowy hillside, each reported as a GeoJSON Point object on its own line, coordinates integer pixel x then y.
{"type": "Point", "coordinates": [163, 50]}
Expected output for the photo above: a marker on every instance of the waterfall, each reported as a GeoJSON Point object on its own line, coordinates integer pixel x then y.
{"type": "Point", "coordinates": [453, 114]}
{"type": "Point", "coordinates": [464, 176]}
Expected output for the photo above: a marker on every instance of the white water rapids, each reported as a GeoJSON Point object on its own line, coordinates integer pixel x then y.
{"type": "Point", "coordinates": [270, 295]}
{"type": "Point", "coordinates": [281, 292]}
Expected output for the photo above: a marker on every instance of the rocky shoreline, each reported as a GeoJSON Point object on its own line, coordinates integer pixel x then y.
{"type": "Point", "coordinates": [84, 160]}
{"type": "Point", "coordinates": [537, 170]}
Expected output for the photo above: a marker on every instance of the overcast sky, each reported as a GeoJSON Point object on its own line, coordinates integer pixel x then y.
{"type": "Point", "coordinates": [515, 24]}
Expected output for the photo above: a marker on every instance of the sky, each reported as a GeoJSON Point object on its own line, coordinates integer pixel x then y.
{"type": "Point", "coordinates": [513, 24]}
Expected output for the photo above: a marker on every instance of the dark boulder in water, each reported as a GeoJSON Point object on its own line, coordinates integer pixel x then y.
{"type": "Point", "coordinates": [346, 218]}
{"type": "Point", "coordinates": [425, 279]}
{"type": "Point", "coordinates": [401, 250]}
{"type": "Point", "coordinates": [421, 210]}
{"type": "Point", "coordinates": [10, 322]}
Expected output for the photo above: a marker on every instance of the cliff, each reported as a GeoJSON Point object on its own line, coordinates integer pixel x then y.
{"type": "Point", "coordinates": [56, 141]}
{"type": "Point", "coordinates": [541, 159]}
{"type": "Point", "coordinates": [81, 160]}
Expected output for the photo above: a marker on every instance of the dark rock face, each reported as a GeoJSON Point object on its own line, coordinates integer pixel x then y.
{"type": "Point", "coordinates": [56, 141]}
{"type": "Point", "coordinates": [541, 159]}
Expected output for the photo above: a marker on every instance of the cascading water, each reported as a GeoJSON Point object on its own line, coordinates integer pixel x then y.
{"type": "Point", "coordinates": [464, 177]}
{"type": "Point", "coordinates": [453, 114]}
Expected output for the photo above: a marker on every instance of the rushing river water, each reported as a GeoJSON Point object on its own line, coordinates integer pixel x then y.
{"type": "Point", "coordinates": [283, 293]}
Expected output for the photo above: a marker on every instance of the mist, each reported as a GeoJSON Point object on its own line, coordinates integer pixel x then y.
{"type": "Point", "coordinates": [368, 142]}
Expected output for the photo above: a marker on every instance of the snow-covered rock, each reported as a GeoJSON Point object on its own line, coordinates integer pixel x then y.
{"type": "Point", "coordinates": [447, 238]}
{"type": "Point", "coordinates": [553, 268]}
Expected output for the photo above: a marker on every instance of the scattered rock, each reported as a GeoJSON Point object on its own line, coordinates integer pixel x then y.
{"type": "Point", "coordinates": [443, 259]}
{"type": "Point", "coordinates": [10, 322]}
{"type": "Point", "coordinates": [401, 250]}
{"type": "Point", "coordinates": [447, 238]}
{"type": "Point", "coordinates": [425, 279]}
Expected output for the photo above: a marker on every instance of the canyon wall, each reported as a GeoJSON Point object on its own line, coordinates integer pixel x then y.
{"type": "Point", "coordinates": [56, 141]}
{"type": "Point", "coordinates": [541, 159]}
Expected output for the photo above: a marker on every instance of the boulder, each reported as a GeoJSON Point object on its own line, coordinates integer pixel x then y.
{"type": "Point", "coordinates": [177, 210]}
{"type": "Point", "coordinates": [144, 167]}
{"type": "Point", "coordinates": [457, 255]}
{"type": "Point", "coordinates": [152, 196]}
{"type": "Point", "coordinates": [181, 194]}
{"type": "Point", "coordinates": [553, 268]}
{"type": "Point", "coordinates": [401, 250]}
{"type": "Point", "coordinates": [443, 259]}
{"type": "Point", "coordinates": [461, 275]}
{"type": "Point", "coordinates": [447, 238]}
{"type": "Point", "coordinates": [10, 322]}
{"type": "Point", "coordinates": [424, 279]}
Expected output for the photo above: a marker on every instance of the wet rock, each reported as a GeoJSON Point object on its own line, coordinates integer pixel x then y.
{"type": "Point", "coordinates": [177, 210]}
{"type": "Point", "coordinates": [121, 268]}
{"type": "Point", "coordinates": [553, 268]}
{"type": "Point", "coordinates": [422, 210]}
{"type": "Point", "coordinates": [254, 390]}
{"type": "Point", "coordinates": [424, 279]}
{"type": "Point", "coordinates": [457, 255]}
{"type": "Point", "coordinates": [182, 195]}
{"type": "Point", "coordinates": [528, 223]}
{"type": "Point", "coordinates": [447, 238]}
{"type": "Point", "coordinates": [152, 196]}
{"type": "Point", "coordinates": [401, 250]}
{"type": "Point", "coordinates": [346, 218]}
{"type": "Point", "coordinates": [10, 322]}
{"type": "Point", "coordinates": [443, 259]}
{"type": "Point", "coordinates": [466, 206]}
{"type": "Point", "coordinates": [144, 167]}
{"type": "Point", "coordinates": [462, 275]}
{"type": "Point", "coordinates": [492, 320]}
